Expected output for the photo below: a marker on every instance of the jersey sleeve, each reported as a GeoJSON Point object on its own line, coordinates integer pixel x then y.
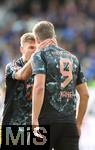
{"type": "Point", "coordinates": [81, 78]}
{"type": "Point", "coordinates": [10, 69]}
{"type": "Point", "coordinates": [38, 64]}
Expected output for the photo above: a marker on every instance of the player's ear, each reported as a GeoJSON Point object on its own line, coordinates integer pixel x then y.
{"type": "Point", "coordinates": [21, 49]}
{"type": "Point", "coordinates": [38, 40]}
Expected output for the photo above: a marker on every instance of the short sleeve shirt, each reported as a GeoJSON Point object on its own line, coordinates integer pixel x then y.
{"type": "Point", "coordinates": [63, 73]}
{"type": "Point", "coordinates": [17, 105]}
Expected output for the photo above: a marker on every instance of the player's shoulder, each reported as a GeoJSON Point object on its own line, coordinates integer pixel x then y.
{"type": "Point", "coordinates": [36, 55]}
{"type": "Point", "coordinates": [8, 68]}
{"type": "Point", "coordinates": [11, 64]}
{"type": "Point", "coordinates": [72, 56]}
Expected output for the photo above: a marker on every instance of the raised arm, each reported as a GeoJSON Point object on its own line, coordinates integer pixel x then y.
{"type": "Point", "coordinates": [23, 73]}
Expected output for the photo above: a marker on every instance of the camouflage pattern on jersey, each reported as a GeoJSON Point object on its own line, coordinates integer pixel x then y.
{"type": "Point", "coordinates": [22, 104]}
{"type": "Point", "coordinates": [63, 72]}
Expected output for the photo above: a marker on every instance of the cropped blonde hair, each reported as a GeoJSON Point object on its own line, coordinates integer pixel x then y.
{"type": "Point", "coordinates": [27, 37]}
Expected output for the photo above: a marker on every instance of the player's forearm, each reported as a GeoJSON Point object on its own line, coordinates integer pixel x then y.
{"type": "Point", "coordinates": [24, 73]}
{"type": "Point", "coordinates": [18, 75]}
{"type": "Point", "coordinates": [82, 109]}
{"type": "Point", "coordinates": [37, 102]}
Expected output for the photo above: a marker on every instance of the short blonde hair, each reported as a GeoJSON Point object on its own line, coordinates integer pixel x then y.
{"type": "Point", "coordinates": [27, 37]}
{"type": "Point", "coordinates": [44, 30]}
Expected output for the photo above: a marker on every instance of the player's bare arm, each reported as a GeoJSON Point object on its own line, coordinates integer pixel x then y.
{"type": "Point", "coordinates": [25, 72]}
{"type": "Point", "coordinates": [37, 97]}
{"type": "Point", "coordinates": [84, 96]}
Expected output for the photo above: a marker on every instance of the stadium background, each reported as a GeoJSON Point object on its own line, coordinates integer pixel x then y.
{"type": "Point", "coordinates": [75, 27]}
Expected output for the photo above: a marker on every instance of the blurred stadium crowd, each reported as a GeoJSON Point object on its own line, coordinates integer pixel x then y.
{"type": "Point", "coordinates": [74, 21]}
{"type": "Point", "coordinates": [75, 27]}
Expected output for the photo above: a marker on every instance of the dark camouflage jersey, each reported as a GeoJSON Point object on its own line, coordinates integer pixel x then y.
{"type": "Point", "coordinates": [18, 105]}
{"type": "Point", "coordinates": [63, 72]}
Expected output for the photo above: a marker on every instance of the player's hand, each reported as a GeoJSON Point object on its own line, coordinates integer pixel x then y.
{"type": "Point", "coordinates": [35, 128]}
{"type": "Point", "coordinates": [37, 133]}
{"type": "Point", "coordinates": [79, 129]}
